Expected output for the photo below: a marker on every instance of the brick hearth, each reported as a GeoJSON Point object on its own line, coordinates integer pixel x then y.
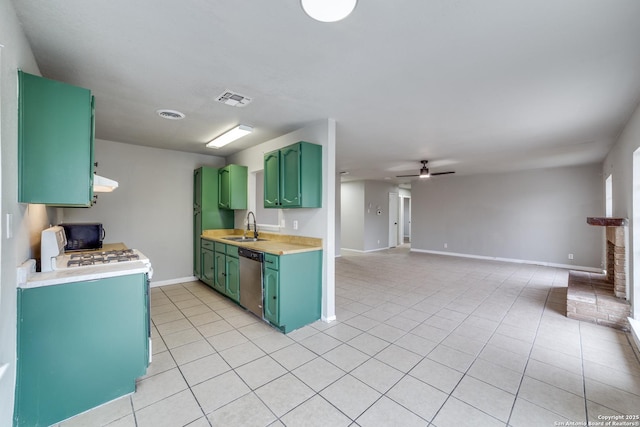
{"type": "Point", "coordinates": [590, 298]}
{"type": "Point", "coordinates": [601, 298]}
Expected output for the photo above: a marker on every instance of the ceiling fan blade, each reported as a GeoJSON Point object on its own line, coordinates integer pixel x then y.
{"type": "Point", "coordinates": [405, 176]}
{"type": "Point", "coordinates": [441, 173]}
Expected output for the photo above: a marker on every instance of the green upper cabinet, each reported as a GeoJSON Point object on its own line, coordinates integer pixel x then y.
{"type": "Point", "coordinates": [55, 142]}
{"type": "Point", "coordinates": [293, 177]}
{"type": "Point", "coordinates": [232, 185]}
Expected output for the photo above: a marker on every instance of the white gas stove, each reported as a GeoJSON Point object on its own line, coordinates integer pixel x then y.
{"type": "Point", "coordinates": [53, 257]}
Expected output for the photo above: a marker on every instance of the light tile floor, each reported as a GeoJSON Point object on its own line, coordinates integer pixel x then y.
{"type": "Point", "coordinates": [420, 340]}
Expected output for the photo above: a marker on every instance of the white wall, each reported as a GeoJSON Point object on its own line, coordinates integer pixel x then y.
{"type": "Point", "coordinates": [537, 216]}
{"type": "Point", "coordinates": [311, 222]}
{"type": "Point", "coordinates": [152, 209]}
{"type": "Point", "coordinates": [376, 198]}
{"type": "Point", "coordinates": [619, 163]}
{"type": "Point", "coordinates": [362, 228]}
{"type": "Point", "coordinates": [352, 215]}
{"type": "Point", "coordinates": [27, 220]}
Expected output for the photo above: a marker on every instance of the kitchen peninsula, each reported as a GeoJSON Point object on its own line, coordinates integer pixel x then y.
{"type": "Point", "coordinates": [83, 337]}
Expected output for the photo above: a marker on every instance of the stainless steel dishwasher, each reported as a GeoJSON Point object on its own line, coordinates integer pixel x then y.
{"type": "Point", "coordinates": [251, 280]}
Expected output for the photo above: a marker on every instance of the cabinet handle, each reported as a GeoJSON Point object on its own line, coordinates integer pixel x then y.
{"type": "Point", "coordinates": [274, 297]}
{"type": "Point", "coordinates": [269, 262]}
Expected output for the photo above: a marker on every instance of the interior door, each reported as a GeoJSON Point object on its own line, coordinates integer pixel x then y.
{"type": "Point", "coordinates": [393, 219]}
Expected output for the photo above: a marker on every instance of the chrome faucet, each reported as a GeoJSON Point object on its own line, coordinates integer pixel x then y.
{"type": "Point", "coordinates": [255, 227]}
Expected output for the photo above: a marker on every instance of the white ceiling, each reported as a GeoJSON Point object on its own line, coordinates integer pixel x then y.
{"type": "Point", "coordinates": [473, 86]}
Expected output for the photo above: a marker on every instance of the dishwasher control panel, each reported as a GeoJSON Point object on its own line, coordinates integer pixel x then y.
{"type": "Point", "coordinates": [252, 255]}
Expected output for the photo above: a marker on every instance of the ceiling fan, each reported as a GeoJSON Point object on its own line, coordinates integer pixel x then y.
{"type": "Point", "coordinates": [424, 172]}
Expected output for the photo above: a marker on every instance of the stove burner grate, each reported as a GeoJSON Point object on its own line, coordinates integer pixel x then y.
{"type": "Point", "coordinates": [102, 257]}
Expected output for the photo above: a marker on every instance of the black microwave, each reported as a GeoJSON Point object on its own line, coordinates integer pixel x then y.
{"type": "Point", "coordinates": [83, 236]}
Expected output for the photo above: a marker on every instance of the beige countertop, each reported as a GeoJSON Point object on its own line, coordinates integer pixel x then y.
{"type": "Point", "coordinates": [274, 243]}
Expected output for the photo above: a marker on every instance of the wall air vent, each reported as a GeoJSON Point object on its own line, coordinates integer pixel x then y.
{"type": "Point", "coordinates": [233, 99]}
{"type": "Point", "coordinates": [170, 114]}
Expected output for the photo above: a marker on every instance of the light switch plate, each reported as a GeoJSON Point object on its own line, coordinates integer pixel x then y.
{"type": "Point", "coordinates": [9, 229]}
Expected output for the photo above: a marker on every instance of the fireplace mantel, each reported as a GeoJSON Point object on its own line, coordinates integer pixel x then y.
{"type": "Point", "coordinates": [607, 222]}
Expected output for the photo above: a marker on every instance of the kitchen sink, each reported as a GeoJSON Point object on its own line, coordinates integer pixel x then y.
{"type": "Point", "coordinates": [243, 239]}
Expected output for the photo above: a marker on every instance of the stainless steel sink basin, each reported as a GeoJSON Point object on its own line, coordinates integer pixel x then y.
{"type": "Point", "coordinates": [243, 239]}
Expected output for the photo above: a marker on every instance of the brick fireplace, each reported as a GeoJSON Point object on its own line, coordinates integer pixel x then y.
{"type": "Point", "coordinates": [601, 298]}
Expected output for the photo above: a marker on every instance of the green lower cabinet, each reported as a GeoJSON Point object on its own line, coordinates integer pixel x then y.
{"type": "Point", "coordinates": [292, 289]}
{"type": "Point", "coordinates": [226, 278]}
{"type": "Point", "coordinates": [80, 345]}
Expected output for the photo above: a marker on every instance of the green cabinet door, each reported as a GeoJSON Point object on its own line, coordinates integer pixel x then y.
{"type": "Point", "coordinates": [208, 267]}
{"type": "Point", "coordinates": [55, 142]}
{"type": "Point", "coordinates": [272, 179]}
{"type": "Point", "coordinates": [220, 282]}
{"type": "Point", "coordinates": [233, 278]}
{"type": "Point", "coordinates": [290, 176]}
{"type": "Point", "coordinates": [80, 345]}
{"type": "Point", "coordinates": [232, 192]}
{"type": "Point", "coordinates": [224, 185]}
{"type": "Point", "coordinates": [270, 284]}
{"type": "Point", "coordinates": [293, 177]}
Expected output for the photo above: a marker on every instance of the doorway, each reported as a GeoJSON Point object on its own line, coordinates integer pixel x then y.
{"type": "Point", "coordinates": [405, 235]}
{"type": "Point", "coordinates": [394, 207]}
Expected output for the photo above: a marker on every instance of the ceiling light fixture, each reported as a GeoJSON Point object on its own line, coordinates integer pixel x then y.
{"type": "Point", "coordinates": [424, 172]}
{"type": "Point", "coordinates": [230, 136]}
{"type": "Point", "coordinates": [328, 10]}
{"type": "Point", "coordinates": [170, 114]}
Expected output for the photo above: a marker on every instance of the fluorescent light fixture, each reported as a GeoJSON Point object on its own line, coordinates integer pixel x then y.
{"type": "Point", "coordinates": [103, 185]}
{"type": "Point", "coordinates": [230, 136]}
{"type": "Point", "coordinates": [328, 10]}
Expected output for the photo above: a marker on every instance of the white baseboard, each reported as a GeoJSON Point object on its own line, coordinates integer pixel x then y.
{"type": "Point", "coordinates": [635, 333]}
{"type": "Point", "coordinates": [513, 260]}
{"type": "Point", "coordinates": [364, 252]}
{"type": "Point", "coordinates": [328, 319]}
{"type": "Point", "coordinates": [155, 284]}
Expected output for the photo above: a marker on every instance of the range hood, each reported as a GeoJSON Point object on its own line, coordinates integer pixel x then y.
{"type": "Point", "coordinates": [103, 185]}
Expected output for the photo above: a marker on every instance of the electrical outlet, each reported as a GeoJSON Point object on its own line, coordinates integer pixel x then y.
{"type": "Point", "coordinates": [378, 241]}
{"type": "Point", "coordinates": [445, 246]}
{"type": "Point", "coordinates": [570, 256]}
{"type": "Point", "coordinates": [295, 224]}
{"type": "Point", "coordinates": [283, 223]}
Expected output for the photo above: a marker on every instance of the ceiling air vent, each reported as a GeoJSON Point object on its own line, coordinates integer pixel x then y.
{"type": "Point", "coordinates": [170, 114]}
{"type": "Point", "coordinates": [233, 99]}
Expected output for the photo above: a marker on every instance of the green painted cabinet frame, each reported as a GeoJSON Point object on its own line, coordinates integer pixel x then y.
{"type": "Point", "coordinates": [292, 289]}
{"type": "Point", "coordinates": [293, 177]}
{"type": "Point", "coordinates": [55, 142]}
{"type": "Point", "coordinates": [80, 345]}
{"type": "Point", "coordinates": [232, 193]}
{"type": "Point", "coordinates": [207, 214]}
